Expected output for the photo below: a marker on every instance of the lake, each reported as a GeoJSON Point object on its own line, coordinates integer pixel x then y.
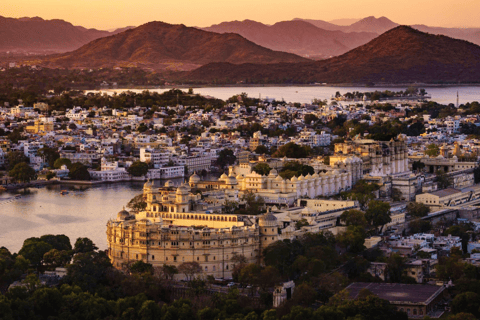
{"type": "Point", "coordinates": [83, 212]}
{"type": "Point", "coordinates": [305, 94]}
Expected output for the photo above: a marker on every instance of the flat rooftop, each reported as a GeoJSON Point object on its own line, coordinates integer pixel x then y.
{"type": "Point", "coordinates": [397, 292]}
{"type": "Point", "coordinates": [445, 192]}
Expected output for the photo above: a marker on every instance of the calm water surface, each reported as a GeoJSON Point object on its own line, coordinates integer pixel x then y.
{"type": "Point", "coordinates": [442, 95]}
{"type": "Point", "coordinates": [83, 212]}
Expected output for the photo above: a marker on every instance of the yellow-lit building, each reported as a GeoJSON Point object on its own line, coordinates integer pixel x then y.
{"type": "Point", "coordinates": [39, 127]}
{"type": "Point", "coordinates": [170, 232]}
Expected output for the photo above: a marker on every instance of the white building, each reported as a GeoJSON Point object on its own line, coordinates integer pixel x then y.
{"type": "Point", "coordinates": [156, 157]}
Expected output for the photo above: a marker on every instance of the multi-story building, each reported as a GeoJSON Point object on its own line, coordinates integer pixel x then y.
{"type": "Point", "coordinates": [156, 157]}
{"type": "Point", "coordinates": [312, 139]}
{"type": "Point", "coordinates": [170, 232]}
{"type": "Point", "coordinates": [194, 163]}
{"type": "Point", "coordinates": [86, 158]}
{"type": "Point", "coordinates": [39, 126]}
{"type": "Point", "coordinates": [276, 190]}
{"type": "Point", "coordinates": [378, 157]}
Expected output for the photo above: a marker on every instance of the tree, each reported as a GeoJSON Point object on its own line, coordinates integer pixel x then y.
{"type": "Point", "coordinates": [261, 149]}
{"type": "Point", "coordinates": [353, 239]}
{"type": "Point", "coordinates": [417, 210]}
{"type": "Point", "coordinates": [141, 267]}
{"type": "Point", "coordinates": [309, 118]}
{"type": "Point", "coordinates": [418, 165]}
{"type": "Point", "coordinates": [378, 214]}
{"type": "Point", "coordinates": [62, 161]}
{"type": "Point", "coordinates": [419, 226]}
{"type": "Point", "coordinates": [49, 154]}
{"type": "Point", "coordinates": [56, 258]}
{"type": "Point", "coordinates": [23, 172]}
{"type": "Point", "coordinates": [432, 150]}
{"type": "Point", "coordinates": [354, 217]}
{"type": "Point", "coordinates": [50, 175]}
{"type": "Point", "coordinates": [84, 245]}
{"type": "Point", "coordinates": [295, 168]}
{"type": "Point", "coordinates": [15, 157]}
{"type": "Point", "coordinates": [225, 158]}
{"type": "Point", "coordinates": [190, 269]}
{"type": "Point", "coordinates": [468, 302]}
{"type": "Point", "coordinates": [137, 203]}
{"type": "Point", "coordinates": [443, 180]}
{"type": "Point", "coordinates": [301, 223]}
{"type": "Point", "coordinates": [292, 150]}
{"type": "Point", "coordinates": [138, 169]}
{"type": "Point", "coordinates": [229, 207]}
{"type": "Point", "coordinates": [169, 271]}
{"type": "Point", "coordinates": [262, 169]}
{"type": "Point", "coordinates": [462, 316]}
{"type": "Point", "coordinates": [78, 172]}
{"type": "Point", "coordinates": [34, 249]}
{"type": "Point", "coordinates": [396, 194]}
{"type": "Point", "coordinates": [253, 203]}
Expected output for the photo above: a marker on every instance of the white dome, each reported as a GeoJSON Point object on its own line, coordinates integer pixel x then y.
{"type": "Point", "coordinates": [194, 178]}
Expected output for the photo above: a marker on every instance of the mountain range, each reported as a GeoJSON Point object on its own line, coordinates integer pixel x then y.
{"type": "Point", "coordinates": [160, 46]}
{"type": "Point", "coordinates": [36, 35]}
{"type": "Point", "coordinates": [297, 36]}
{"type": "Point", "coordinates": [328, 39]}
{"type": "Point", "coordinates": [400, 55]}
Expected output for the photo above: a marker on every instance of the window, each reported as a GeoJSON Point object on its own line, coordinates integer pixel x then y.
{"type": "Point", "coordinates": [153, 257]}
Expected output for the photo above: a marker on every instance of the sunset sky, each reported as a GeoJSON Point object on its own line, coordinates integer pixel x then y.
{"type": "Point", "coordinates": [106, 14]}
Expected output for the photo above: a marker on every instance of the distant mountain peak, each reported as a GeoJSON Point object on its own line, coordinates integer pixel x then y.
{"type": "Point", "coordinates": [159, 45]}
{"type": "Point", "coordinates": [400, 55]}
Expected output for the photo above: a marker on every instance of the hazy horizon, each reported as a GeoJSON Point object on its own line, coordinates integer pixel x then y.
{"type": "Point", "coordinates": [203, 13]}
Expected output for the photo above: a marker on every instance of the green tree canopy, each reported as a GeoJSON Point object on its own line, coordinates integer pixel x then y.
{"type": "Point", "coordinates": [262, 169]}
{"type": "Point", "coordinates": [432, 150]}
{"type": "Point", "coordinates": [79, 172]}
{"type": "Point", "coordinates": [49, 154]}
{"type": "Point", "coordinates": [62, 161]}
{"type": "Point", "coordinates": [23, 172]}
{"type": "Point", "coordinates": [378, 213]}
{"type": "Point", "coordinates": [137, 203]}
{"type": "Point", "coordinates": [225, 158]}
{"type": "Point", "coordinates": [138, 169]}
{"type": "Point", "coordinates": [292, 150]}
{"type": "Point", "coordinates": [417, 210]}
{"type": "Point", "coordinates": [295, 169]}
{"type": "Point", "coordinates": [354, 217]}
{"type": "Point", "coordinates": [261, 149]}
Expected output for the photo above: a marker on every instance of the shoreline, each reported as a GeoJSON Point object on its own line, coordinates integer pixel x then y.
{"type": "Point", "coordinates": [340, 85]}
{"type": "Point", "coordinates": [41, 183]}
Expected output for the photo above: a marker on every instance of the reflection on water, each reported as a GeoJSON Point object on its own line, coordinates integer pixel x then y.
{"type": "Point", "coordinates": [83, 212]}
{"type": "Point", "coordinates": [305, 94]}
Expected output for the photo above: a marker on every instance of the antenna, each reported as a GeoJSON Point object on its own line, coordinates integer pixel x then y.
{"type": "Point", "coordinates": [457, 99]}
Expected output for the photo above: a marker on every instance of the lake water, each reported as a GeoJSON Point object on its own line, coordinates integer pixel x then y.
{"type": "Point", "coordinates": [83, 212]}
{"type": "Point", "coordinates": [305, 94]}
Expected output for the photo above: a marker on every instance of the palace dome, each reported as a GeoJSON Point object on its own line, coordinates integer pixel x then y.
{"type": "Point", "coordinates": [122, 215]}
{"type": "Point", "coordinates": [194, 178]}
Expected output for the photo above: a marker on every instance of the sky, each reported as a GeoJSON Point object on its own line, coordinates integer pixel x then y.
{"type": "Point", "coordinates": [108, 14]}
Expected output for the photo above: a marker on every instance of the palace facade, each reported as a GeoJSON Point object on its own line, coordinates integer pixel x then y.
{"type": "Point", "coordinates": [172, 230]}
{"type": "Point", "coordinates": [379, 158]}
